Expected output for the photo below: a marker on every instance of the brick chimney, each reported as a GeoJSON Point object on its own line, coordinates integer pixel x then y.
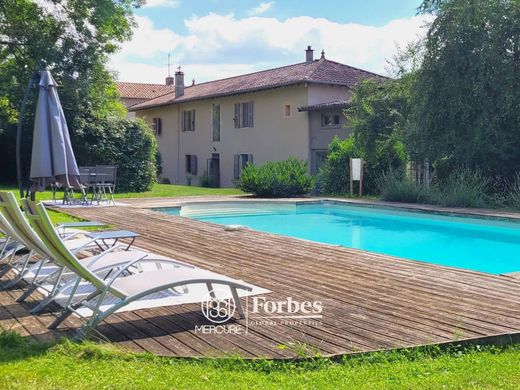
{"type": "Point", "coordinates": [169, 80]}
{"type": "Point", "coordinates": [179, 83]}
{"type": "Point", "coordinates": [309, 55]}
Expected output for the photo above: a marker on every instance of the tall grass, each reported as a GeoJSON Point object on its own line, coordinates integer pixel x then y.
{"type": "Point", "coordinates": [394, 186]}
{"type": "Point", "coordinates": [462, 188]}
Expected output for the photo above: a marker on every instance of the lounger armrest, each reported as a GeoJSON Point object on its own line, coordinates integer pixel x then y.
{"type": "Point", "coordinates": [105, 252]}
{"type": "Point", "coordinates": [121, 270]}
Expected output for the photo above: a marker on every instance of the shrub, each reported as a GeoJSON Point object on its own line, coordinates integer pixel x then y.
{"type": "Point", "coordinates": [394, 186]}
{"type": "Point", "coordinates": [165, 180]}
{"type": "Point", "coordinates": [462, 188]}
{"type": "Point", "coordinates": [277, 179]}
{"type": "Point", "coordinates": [513, 193]}
{"type": "Point", "coordinates": [205, 180]}
{"type": "Point", "coordinates": [129, 144]}
{"type": "Point", "coordinates": [333, 177]}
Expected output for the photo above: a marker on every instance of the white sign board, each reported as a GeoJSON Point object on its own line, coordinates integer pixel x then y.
{"type": "Point", "coordinates": [356, 168]}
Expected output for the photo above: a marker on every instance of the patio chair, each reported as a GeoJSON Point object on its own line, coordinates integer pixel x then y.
{"type": "Point", "coordinates": [86, 179]}
{"type": "Point", "coordinates": [119, 291]}
{"type": "Point", "coordinates": [105, 183]}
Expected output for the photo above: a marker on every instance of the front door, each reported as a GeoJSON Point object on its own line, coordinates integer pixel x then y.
{"type": "Point", "coordinates": [214, 170]}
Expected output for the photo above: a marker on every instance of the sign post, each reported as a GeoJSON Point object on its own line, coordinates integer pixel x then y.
{"type": "Point", "coordinates": [356, 174]}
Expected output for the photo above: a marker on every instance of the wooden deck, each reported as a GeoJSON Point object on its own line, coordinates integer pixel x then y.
{"type": "Point", "coordinates": [370, 301]}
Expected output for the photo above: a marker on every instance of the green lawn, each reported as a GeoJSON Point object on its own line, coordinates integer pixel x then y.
{"type": "Point", "coordinates": [159, 191]}
{"type": "Point", "coordinates": [86, 366]}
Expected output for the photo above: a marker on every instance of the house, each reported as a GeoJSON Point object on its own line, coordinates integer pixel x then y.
{"type": "Point", "coordinates": [217, 127]}
{"type": "Point", "coordinates": [135, 93]}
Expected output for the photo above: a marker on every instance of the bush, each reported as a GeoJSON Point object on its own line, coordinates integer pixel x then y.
{"type": "Point", "coordinates": [277, 179]}
{"type": "Point", "coordinates": [333, 177]}
{"type": "Point", "coordinates": [462, 188]}
{"type": "Point", "coordinates": [394, 186]}
{"type": "Point", "coordinates": [205, 180]}
{"type": "Point", "coordinates": [129, 144]}
{"type": "Point", "coordinates": [513, 193]}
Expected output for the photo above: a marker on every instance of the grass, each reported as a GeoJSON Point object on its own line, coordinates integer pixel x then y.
{"type": "Point", "coordinates": [158, 190]}
{"type": "Point", "coordinates": [24, 364]}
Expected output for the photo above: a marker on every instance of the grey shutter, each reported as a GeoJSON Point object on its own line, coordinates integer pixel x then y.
{"type": "Point", "coordinates": [159, 126]}
{"type": "Point", "coordinates": [183, 126]}
{"type": "Point", "coordinates": [237, 115]}
{"type": "Point", "coordinates": [192, 120]}
{"type": "Point", "coordinates": [193, 164]}
{"type": "Point", "coordinates": [250, 114]}
{"type": "Point", "coordinates": [250, 158]}
{"type": "Point", "coordinates": [236, 166]}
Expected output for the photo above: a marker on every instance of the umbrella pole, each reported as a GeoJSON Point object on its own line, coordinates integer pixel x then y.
{"type": "Point", "coordinates": [23, 106]}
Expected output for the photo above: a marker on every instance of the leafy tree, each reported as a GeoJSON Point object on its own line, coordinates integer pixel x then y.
{"type": "Point", "coordinates": [130, 144]}
{"type": "Point", "coordinates": [467, 95]}
{"type": "Point", "coordinates": [74, 37]}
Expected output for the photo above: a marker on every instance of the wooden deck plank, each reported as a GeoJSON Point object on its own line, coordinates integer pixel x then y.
{"type": "Point", "coordinates": [371, 301]}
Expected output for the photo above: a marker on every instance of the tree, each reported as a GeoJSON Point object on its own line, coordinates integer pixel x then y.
{"type": "Point", "coordinates": [74, 37]}
{"type": "Point", "coordinates": [467, 95]}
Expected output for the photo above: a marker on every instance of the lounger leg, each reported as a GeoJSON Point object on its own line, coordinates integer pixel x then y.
{"type": "Point", "coordinates": [70, 309]}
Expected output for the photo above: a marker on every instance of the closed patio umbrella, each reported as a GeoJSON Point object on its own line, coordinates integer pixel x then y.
{"type": "Point", "coordinates": [53, 160]}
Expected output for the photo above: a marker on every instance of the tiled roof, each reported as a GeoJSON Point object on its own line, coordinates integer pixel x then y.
{"type": "Point", "coordinates": [324, 106]}
{"type": "Point", "coordinates": [319, 71]}
{"type": "Point", "coordinates": [142, 90]}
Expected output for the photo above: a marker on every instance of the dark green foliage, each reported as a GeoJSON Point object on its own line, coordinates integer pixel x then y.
{"type": "Point", "coordinates": [74, 38]}
{"type": "Point", "coordinates": [467, 95]}
{"type": "Point", "coordinates": [394, 186]}
{"type": "Point", "coordinates": [129, 144]}
{"type": "Point", "coordinates": [277, 179]}
{"type": "Point", "coordinates": [333, 177]}
{"type": "Point", "coordinates": [462, 188]}
{"type": "Point", "coordinates": [206, 181]}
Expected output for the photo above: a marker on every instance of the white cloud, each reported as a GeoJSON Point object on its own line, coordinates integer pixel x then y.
{"type": "Point", "coordinates": [217, 46]}
{"type": "Point", "coordinates": [261, 8]}
{"type": "Point", "coordinates": [162, 3]}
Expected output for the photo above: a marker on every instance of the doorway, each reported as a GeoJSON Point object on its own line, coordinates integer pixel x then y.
{"type": "Point", "coordinates": [214, 170]}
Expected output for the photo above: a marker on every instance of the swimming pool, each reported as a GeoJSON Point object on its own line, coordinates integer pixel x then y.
{"type": "Point", "coordinates": [478, 244]}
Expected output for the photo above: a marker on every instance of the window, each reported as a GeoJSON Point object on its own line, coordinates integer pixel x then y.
{"type": "Point", "coordinates": [243, 115]}
{"type": "Point", "coordinates": [240, 162]}
{"type": "Point", "coordinates": [191, 164]}
{"type": "Point", "coordinates": [330, 119]}
{"type": "Point", "coordinates": [188, 120]}
{"type": "Point", "coordinates": [215, 121]}
{"type": "Point", "coordinates": [287, 110]}
{"type": "Point", "coordinates": [157, 126]}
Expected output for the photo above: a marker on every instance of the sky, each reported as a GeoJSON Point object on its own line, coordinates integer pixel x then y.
{"type": "Point", "coordinates": [213, 39]}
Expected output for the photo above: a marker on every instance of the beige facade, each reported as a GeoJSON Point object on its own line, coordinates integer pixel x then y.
{"type": "Point", "coordinates": [279, 130]}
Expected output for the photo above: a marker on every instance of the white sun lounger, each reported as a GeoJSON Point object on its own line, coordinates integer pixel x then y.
{"type": "Point", "coordinates": [117, 291]}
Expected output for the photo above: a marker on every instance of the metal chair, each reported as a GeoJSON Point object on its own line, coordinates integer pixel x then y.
{"type": "Point", "coordinates": [86, 179]}
{"type": "Point", "coordinates": [105, 183]}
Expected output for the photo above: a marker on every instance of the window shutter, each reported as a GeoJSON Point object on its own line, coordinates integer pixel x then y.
{"type": "Point", "coordinates": [237, 115]}
{"type": "Point", "coordinates": [183, 126]}
{"type": "Point", "coordinates": [192, 120]}
{"type": "Point", "coordinates": [193, 164]}
{"type": "Point", "coordinates": [250, 114]}
{"type": "Point", "coordinates": [250, 158]}
{"type": "Point", "coordinates": [159, 126]}
{"type": "Point", "coordinates": [236, 166]}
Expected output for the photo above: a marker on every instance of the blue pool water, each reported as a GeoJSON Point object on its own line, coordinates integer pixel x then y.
{"type": "Point", "coordinates": [478, 244]}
